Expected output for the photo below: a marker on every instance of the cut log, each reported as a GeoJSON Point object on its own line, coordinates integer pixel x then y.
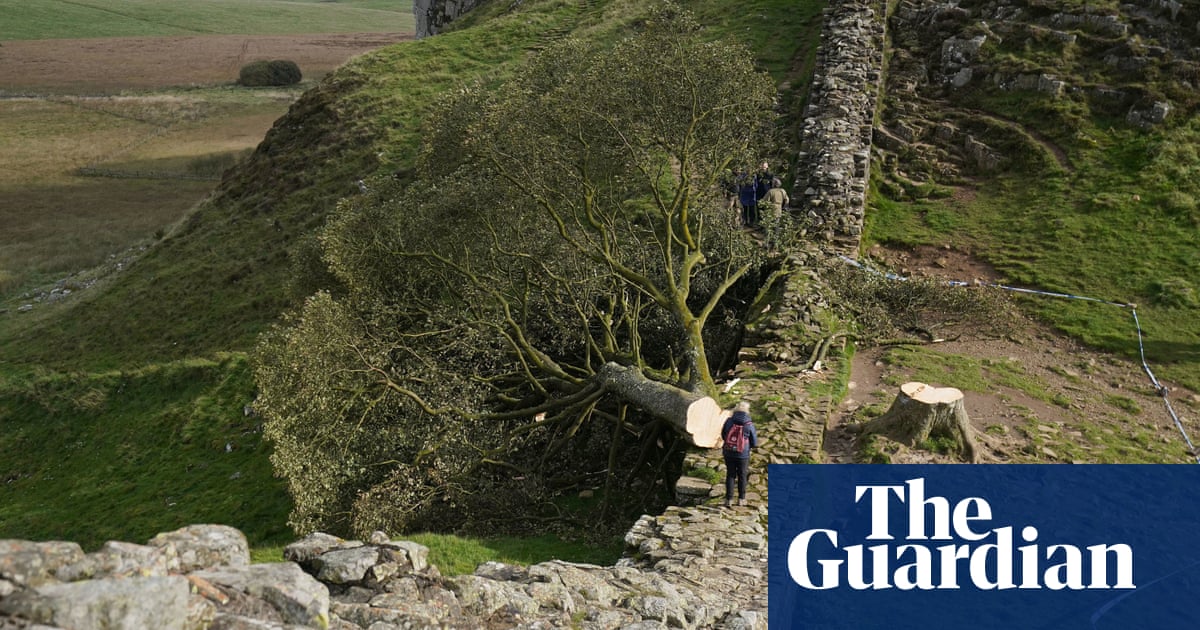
{"type": "Point", "coordinates": [694, 416]}
{"type": "Point", "coordinates": [921, 412]}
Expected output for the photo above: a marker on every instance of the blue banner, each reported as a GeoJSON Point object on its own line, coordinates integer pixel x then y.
{"type": "Point", "coordinates": [1062, 547]}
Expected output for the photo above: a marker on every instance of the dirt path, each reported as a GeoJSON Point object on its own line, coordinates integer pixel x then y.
{"type": "Point", "coordinates": [108, 65]}
{"type": "Point", "coordinates": [1046, 398]}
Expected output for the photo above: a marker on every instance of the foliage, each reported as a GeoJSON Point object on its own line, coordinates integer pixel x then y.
{"type": "Point", "coordinates": [263, 73]}
{"type": "Point", "coordinates": [921, 307]}
{"type": "Point", "coordinates": [567, 219]}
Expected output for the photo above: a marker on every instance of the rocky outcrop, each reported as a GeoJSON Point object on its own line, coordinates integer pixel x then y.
{"type": "Point", "coordinates": [433, 15]}
{"type": "Point", "coordinates": [1120, 62]}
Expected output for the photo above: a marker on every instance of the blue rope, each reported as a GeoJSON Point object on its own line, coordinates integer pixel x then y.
{"type": "Point", "coordinates": [1158, 387]}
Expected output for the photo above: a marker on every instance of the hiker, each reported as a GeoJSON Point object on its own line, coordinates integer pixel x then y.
{"type": "Point", "coordinates": [748, 198]}
{"type": "Point", "coordinates": [738, 437]}
{"type": "Point", "coordinates": [762, 180]}
{"type": "Point", "coordinates": [730, 188]}
{"type": "Point", "coordinates": [771, 208]}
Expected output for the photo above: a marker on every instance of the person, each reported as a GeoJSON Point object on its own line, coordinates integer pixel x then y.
{"type": "Point", "coordinates": [748, 198]}
{"type": "Point", "coordinates": [762, 180]}
{"type": "Point", "coordinates": [737, 461]}
{"type": "Point", "coordinates": [771, 208]}
{"type": "Point", "coordinates": [730, 187]}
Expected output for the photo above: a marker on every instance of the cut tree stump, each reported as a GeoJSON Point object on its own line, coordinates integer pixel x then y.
{"type": "Point", "coordinates": [921, 412]}
{"type": "Point", "coordinates": [694, 416]}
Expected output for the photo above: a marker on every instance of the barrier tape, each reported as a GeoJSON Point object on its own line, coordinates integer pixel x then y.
{"type": "Point", "coordinates": [1158, 387]}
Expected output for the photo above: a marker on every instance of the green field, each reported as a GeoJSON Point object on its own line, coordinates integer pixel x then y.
{"type": "Point", "coordinates": [56, 19]}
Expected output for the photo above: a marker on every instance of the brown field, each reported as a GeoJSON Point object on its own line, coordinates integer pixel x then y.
{"type": "Point", "coordinates": [114, 105]}
{"type": "Point", "coordinates": [107, 65]}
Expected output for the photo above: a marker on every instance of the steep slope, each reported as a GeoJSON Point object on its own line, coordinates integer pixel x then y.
{"type": "Point", "coordinates": [245, 255]}
{"type": "Point", "coordinates": [1057, 143]}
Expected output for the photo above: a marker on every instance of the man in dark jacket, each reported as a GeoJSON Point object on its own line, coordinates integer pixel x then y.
{"type": "Point", "coordinates": [737, 452]}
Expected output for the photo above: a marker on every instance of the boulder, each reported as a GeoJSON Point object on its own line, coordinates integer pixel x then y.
{"type": "Point", "coordinates": [298, 596]}
{"type": "Point", "coordinates": [122, 559]}
{"type": "Point", "coordinates": [206, 546]}
{"type": "Point", "coordinates": [344, 566]}
{"type": "Point", "coordinates": [26, 563]}
{"type": "Point", "coordinates": [134, 603]}
{"type": "Point", "coordinates": [305, 551]}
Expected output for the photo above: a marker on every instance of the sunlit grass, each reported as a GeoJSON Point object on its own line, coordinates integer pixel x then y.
{"type": "Point", "coordinates": [52, 19]}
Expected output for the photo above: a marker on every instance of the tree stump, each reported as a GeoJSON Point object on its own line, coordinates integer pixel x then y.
{"type": "Point", "coordinates": [921, 412]}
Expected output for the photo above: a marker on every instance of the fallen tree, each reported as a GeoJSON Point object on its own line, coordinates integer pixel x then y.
{"type": "Point", "coordinates": [540, 302]}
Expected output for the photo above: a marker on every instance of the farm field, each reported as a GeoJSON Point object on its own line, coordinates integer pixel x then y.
{"type": "Point", "coordinates": [153, 115]}
{"type": "Point", "coordinates": [60, 19]}
{"type": "Point", "coordinates": [108, 65]}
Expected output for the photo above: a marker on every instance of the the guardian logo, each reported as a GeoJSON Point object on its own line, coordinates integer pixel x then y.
{"type": "Point", "coordinates": [947, 547]}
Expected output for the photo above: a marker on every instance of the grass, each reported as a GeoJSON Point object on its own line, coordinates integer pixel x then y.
{"type": "Point", "coordinates": [961, 372]}
{"type": "Point", "coordinates": [460, 555]}
{"type": "Point", "coordinates": [58, 19]}
{"type": "Point", "coordinates": [1119, 224]}
{"type": "Point", "coordinates": [124, 455]}
{"type": "Point", "coordinates": [455, 555]}
{"type": "Point", "coordinates": [57, 223]}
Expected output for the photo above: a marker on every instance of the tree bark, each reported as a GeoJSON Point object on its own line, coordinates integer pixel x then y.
{"type": "Point", "coordinates": [694, 416]}
{"type": "Point", "coordinates": [921, 412]}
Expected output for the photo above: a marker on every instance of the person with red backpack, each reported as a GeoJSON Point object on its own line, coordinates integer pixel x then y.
{"type": "Point", "coordinates": [738, 437]}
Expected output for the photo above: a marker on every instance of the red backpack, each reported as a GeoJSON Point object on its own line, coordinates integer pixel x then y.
{"type": "Point", "coordinates": [736, 439]}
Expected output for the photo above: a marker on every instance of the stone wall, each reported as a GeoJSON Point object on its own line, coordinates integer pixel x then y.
{"type": "Point", "coordinates": [433, 15]}
{"type": "Point", "coordinates": [833, 167]}
{"type": "Point", "coordinates": [200, 577]}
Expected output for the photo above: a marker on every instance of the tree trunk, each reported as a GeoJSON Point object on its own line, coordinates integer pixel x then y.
{"type": "Point", "coordinates": [695, 416]}
{"type": "Point", "coordinates": [921, 412]}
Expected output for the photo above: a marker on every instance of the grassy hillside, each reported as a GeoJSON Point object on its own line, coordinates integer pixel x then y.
{"type": "Point", "coordinates": [57, 19]}
{"type": "Point", "coordinates": [1084, 202]}
{"type": "Point", "coordinates": [218, 278]}
{"type": "Point", "coordinates": [129, 453]}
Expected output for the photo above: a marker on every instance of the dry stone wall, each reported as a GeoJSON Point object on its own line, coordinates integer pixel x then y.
{"type": "Point", "coordinates": [833, 167]}
{"type": "Point", "coordinates": [433, 15]}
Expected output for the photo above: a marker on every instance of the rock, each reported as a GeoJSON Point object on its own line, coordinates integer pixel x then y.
{"type": "Point", "coordinates": [418, 554]}
{"type": "Point", "coordinates": [962, 78]}
{"type": "Point", "coordinates": [433, 15]}
{"type": "Point", "coordinates": [691, 488]}
{"type": "Point", "coordinates": [589, 582]}
{"type": "Point", "coordinates": [344, 566]}
{"type": "Point", "coordinates": [134, 603]}
{"type": "Point", "coordinates": [26, 563]}
{"type": "Point", "coordinates": [501, 571]}
{"type": "Point", "coordinates": [481, 597]}
{"type": "Point", "coordinates": [200, 612]}
{"type": "Point", "coordinates": [309, 548]}
{"type": "Point", "coordinates": [121, 559]}
{"type": "Point", "coordinates": [206, 546]}
{"type": "Point", "coordinates": [299, 598]}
